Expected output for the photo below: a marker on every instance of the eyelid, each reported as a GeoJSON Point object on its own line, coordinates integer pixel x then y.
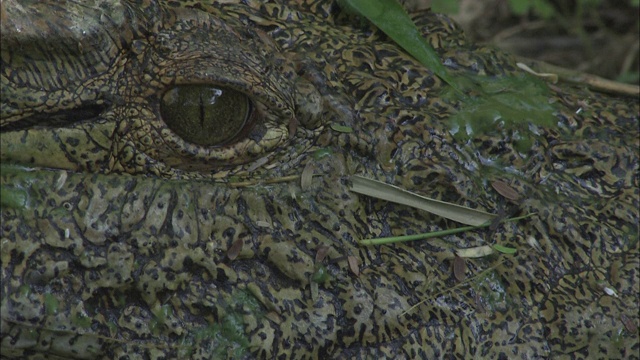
{"type": "Point", "coordinates": [194, 56]}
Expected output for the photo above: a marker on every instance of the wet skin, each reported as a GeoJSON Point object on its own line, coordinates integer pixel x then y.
{"type": "Point", "coordinates": [136, 221]}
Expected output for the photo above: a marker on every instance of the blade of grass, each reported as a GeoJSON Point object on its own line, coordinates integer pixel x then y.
{"type": "Point", "coordinates": [429, 235]}
{"type": "Point", "coordinates": [390, 17]}
{"type": "Point", "coordinates": [397, 195]}
{"type": "Point", "coordinates": [423, 236]}
{"type": "Point", "coordinates": [504, 249]}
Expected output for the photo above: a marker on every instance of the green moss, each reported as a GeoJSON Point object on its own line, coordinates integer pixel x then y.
{"type": "Point", "coordinates": [113, 328]}
{"type": "Point", "coordinates": [19, 192]}
{"type": "Point", "coordinates": [51, 304]}
{"type": "Point", "coordinates": [24, 291]}
{"type": "Point", "coordinates": [13, 198]}
{"type": "Point", "coordinates": [320, 153]}
{"type": "Point", "coordinates": [226, 338]}
{"type": "Point", "coordinates": [245, 299]}
{"type": "Point", "coordinates": [617, 340]}
{"type": "Point", "coordinates": [630, 234]}
{"type": "Point", "coordinates": [232, 328]}
{"type": "Point", "coordinates": [81, 320]}
{"type": "Point", "coordinates": [506, 107]}
{"type": "Point", "coordinates": [320, 275]}
{"type": "Point", "coordinates": [160, 316]}
{"type": "Point", "coordinates": [223, 340]}
{"type": "Point", "coordinates": [489, 286]}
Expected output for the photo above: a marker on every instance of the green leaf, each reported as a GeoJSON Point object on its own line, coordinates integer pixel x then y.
{"type": "Point", "coordinates": [504, 249]}
{"type": "Point", "coordinates": [387, 192]}
{"type": "Point", "coordinates": [591, 3]}
{"type": "Point", "coordinates": [390, 17]}
{"type": "Point", "coordinates": [320, 153]}
{"type": "Point", "coordinates": [544, 9]}
{"type": "Point", "coordinates": [341, 128]}
{"type": "Point", "coordinates": [321, 274]}
{"type": "Point", "coordinates": [519, 7]}
{"type": "Point", "coordinates": [445, 6]}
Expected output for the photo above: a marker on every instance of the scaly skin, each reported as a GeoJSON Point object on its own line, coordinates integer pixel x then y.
{"type": "Point", "coordinates": [120, 238]}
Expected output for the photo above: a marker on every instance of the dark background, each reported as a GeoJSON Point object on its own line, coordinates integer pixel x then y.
{"type": "Point", "coordinates": [600, 37]}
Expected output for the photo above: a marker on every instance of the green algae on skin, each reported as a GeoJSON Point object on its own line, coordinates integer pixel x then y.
{"type": "Point", "coordinates": [507, 106]}
{"type": "Point", "coordinates": [513, 106]}
{"type": "Point", "coordinates": [81, 320]}
{"type": "Point", "coordinates": [491, 289]}
{"type": "Point", "coordinates": [226, 337]}
{"type": "Point", "coordinates": [160, 317]}
{"type": "Point", "coordinates": [51, 304]}
{"type": "Point", "coordinates": [217, 338]}
{"type": "Point", "coordinates": [24, 291]}
{"type": "Point", "coordinates": [320, 153]}
{"type": "Point", "coordinates": [13, 198]}
{"type": "Point", "coordinates": [11, 195]}
{"type": "Point", "coordinates": [321, 274]}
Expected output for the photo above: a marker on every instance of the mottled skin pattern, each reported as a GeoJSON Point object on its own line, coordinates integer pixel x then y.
{"type": "Point", "coordinates": [126, 241]}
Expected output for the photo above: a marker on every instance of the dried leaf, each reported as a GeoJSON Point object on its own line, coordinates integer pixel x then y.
{"type": "Point", "coordinates": [264, 224]}
{"type": "Point", "coordinates": [293, 127]}
{"type": "Point", "coordinates": [534, 243]}
{"type": "Point", "coordinates": [353, 265]}
{"type": "Point", "coordinates": [307, 176]}
{"type": "Point", "coordinates": [459, 268]}
{"type": "Point", "coordinates": [397, 195]}
{"type": "Point", "coordinates": [553, 78]}
{"type": "Point", "coordinates": [479, 302]}
{"type": "Point", "coordinates": [609, 291]}
{"type": "Point", "coordinates": [61, 180]}
{"type": "Point", "coordinates": [258, 163]}
{"type": "Point", "coordinates": [505, 190]}
{"type": "Point", "coordinates": [475, 252]}
{"type": "Point", "coordinates": [385, 150]}
{"type": "Point", "coordinates": [273, 316]}
{"type": "Point", "coordinates": [235, 249]}
{"type": "Point", "coordinates": [629, 324]}
{"type": "Point", "coordinates": [321, 253]}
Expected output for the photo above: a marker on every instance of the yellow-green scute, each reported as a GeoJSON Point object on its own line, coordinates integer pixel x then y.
{"type": "Point", "coordinates": [122, 238]}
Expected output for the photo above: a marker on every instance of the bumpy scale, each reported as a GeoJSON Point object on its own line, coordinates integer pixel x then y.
{"type": "Point", "coordinates": [122, 239]}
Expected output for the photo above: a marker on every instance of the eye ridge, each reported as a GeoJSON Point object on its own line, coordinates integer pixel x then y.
{"type": "Point", "coordinates": [206, 115]}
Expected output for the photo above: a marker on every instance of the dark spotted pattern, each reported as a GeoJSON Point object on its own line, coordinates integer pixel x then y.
{"type": "Point", "coordinates": [124, 241]}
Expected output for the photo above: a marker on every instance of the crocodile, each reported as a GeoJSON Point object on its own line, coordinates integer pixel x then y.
{"type": "Point", "coordinates": [142, 219]}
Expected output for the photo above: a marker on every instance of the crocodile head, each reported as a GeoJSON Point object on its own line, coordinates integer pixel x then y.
{"type": "Point", "coordinates": [176, 183]}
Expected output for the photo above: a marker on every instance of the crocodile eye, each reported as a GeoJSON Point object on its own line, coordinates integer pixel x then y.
{"type": "Point", "coordinates": [205, 115]}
